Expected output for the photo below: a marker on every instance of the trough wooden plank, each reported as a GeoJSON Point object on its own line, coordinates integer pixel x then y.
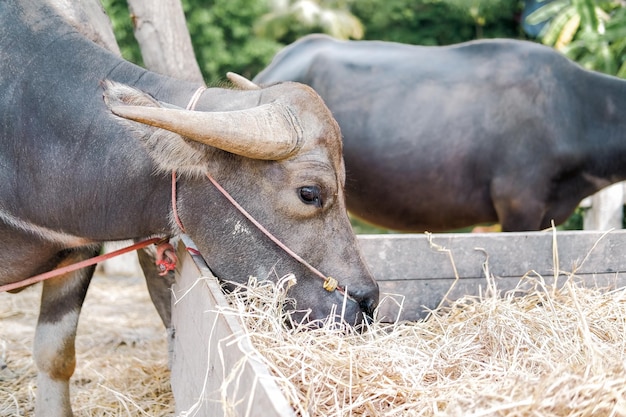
{"type": "Point", "coordinates": [416, 267]}
{"type": "Point", "coordinates": [209, 345]}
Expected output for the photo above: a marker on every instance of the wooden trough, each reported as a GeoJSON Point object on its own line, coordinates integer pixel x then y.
{"type": "Point", "coordinates": [417, 271]}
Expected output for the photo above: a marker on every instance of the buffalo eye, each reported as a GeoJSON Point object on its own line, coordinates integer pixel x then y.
{"type": "Point", "coordinates": [311, 195]}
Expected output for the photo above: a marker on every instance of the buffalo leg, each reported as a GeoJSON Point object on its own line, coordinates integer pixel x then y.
{"type": "Point", "coordinates": [521, 221]}
{"type": "Point", "coordinates": [517, 210]}
{"type": "Point", "coordinates": [159, 288]}
{"type": "Point", "coordinates": [61, 302]}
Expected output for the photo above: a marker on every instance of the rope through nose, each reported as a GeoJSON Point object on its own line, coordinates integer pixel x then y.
{"type": "Point", "coordinates": [193, 101]}
{"type": "Point", "coordinates": [330, 283]}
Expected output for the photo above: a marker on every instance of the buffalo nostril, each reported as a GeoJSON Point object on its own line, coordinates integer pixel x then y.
{"type": "Point", "coordinates": [367, 305]}
{"type": "Point", "coordinates": [367, 301]}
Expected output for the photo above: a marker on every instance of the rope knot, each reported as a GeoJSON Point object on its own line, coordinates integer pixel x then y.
{"type": "Point", "coordinates": [165, 257]}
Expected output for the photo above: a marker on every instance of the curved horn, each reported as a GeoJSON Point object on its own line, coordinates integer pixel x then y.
{"type": "Point", "coordinates": [241, 82]}
{"type": "Point", "coordinates": [269, 132]}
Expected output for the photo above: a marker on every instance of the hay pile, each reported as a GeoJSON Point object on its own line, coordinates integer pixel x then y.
{"type": "Point", "coordinates": [551, 352]}
{"type": "Point", "coordinates": [121, 353]}
{"type": "Point", "coordinates": [548, 353]}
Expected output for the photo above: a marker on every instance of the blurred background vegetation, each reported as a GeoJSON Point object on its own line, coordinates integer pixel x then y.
{"type": "Point", "coordinates": [243, 35]}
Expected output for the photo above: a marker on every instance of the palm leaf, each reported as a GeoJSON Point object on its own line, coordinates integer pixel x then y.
{"type": "Point", "coordinates": [589, 21]}
{"type": "Point", "coordinates": [567, 32]}
{"type": "Point", "coordinates": [552, 31]}
{"type": "Point", "coordinates": [615, 29]}
{"type": "Point", "coordinates": [547, 12]}
{"type": "Point", "coordinates": [621, 72]}
{"type": "Point", "coordinates": [606, 60]}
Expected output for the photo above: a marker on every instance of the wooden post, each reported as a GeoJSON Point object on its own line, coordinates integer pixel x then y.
{"type": "Point", "coordinates": [161, 30]}
{"type": "Point", "coordinates": [606, 210]}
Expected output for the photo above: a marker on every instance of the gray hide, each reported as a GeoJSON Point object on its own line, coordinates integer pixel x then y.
{"type": "Point", "coordinates": [439, 138]}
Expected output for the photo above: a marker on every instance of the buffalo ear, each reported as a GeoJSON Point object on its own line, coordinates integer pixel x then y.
{"type": "Point", "coordinates": [168, 150]}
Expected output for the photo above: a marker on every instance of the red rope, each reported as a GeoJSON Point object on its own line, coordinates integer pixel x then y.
{"type": "Point", "coordinates": [330, 284]}
{"type": "Point", "coordinates": [174, 210]}
{"type": "Point", "coordinates": [190, 106]}
{"type": "Point", "coordinates": [73, 267]}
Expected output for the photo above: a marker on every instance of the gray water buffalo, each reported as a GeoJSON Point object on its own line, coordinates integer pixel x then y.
{"type": "Point", "coordinates": [82, 162]}
{"type": "Point", "coordinates": [439, 138]}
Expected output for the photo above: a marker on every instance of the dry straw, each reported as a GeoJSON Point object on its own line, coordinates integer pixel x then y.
{"type": "Point", "coordinates": [121, 353]}
{"type": "Point", "coordinates": [550, 352]}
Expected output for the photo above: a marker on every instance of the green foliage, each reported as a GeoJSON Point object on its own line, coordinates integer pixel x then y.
{"type": "Point", "coordinates": [361, 227]}
{"type": "Point", "coordinates": [223, 37]}
{"type": "Point", "coordinates": [575, 221]}
{"type": "Point", "coordinates": [438, 22]}
{"type": "Point", "coordinates": [243, 35]}
{"type": "Point", "coordinates": [123, 29]}
{"type": "Point", "coordinates": [292, 19]}
{"type": "Point", "coordinates": [483, 12]}
{"type": "Point", "coordinates": [591, 32]}
{"type": "Point", "coordinates": [221, 34]}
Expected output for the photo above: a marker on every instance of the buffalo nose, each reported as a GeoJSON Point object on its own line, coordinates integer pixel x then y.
{"type": "Point", "coordinates": [368, 305]}
{"type": "Point", "coordinates": [367, 301]}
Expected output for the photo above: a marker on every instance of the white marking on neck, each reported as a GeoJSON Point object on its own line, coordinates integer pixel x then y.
{"type": "Point", "coordinates": [240, 228]}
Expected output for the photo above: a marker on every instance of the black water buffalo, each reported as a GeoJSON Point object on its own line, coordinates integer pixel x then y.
{"type": "Point", "coordinates": [439, 138]}
{"type": "Point", "coordinates": [76, 171]}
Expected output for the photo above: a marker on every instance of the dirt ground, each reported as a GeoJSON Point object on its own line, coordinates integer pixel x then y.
{"type": "Point", "coordinates": [121, 352]}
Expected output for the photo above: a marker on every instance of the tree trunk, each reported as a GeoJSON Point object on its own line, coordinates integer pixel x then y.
{"type": "Point", "coordinates": [89, 18]}
{"type": "Point", "coordinates": [161, 30]}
